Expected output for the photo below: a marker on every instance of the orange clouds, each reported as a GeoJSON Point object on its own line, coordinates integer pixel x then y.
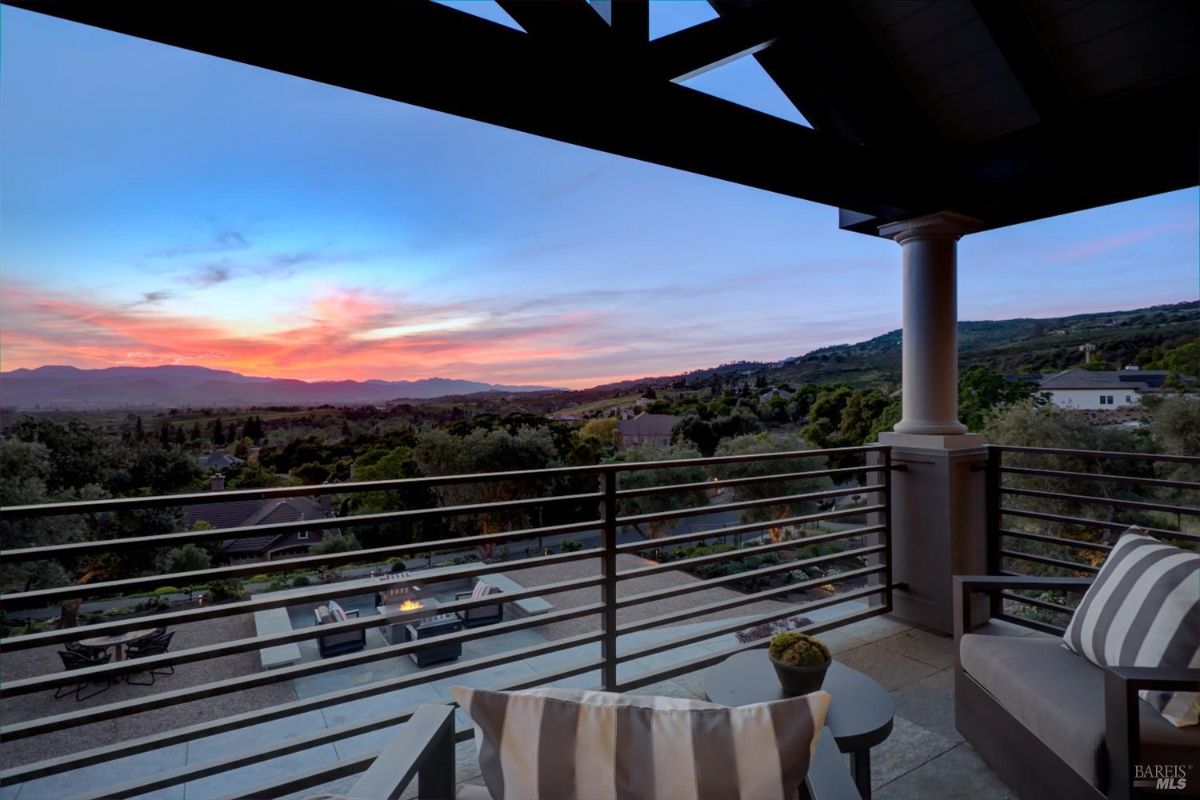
{"type": "Point", "coordinates": [339, 334]}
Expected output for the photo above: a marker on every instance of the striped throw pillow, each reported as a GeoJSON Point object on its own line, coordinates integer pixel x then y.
{"type": "Point", "coordinates": [481, 590]}
{"type": "Point", "coordinates": [567, 743]}
{"type": "Point", "coordinates": [1143, 610]}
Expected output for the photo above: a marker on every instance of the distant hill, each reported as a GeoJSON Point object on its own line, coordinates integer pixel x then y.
{"type": "Point", "coordinates": [59, 387]}
{"type": "Point", "coordinates": [1050, 344]}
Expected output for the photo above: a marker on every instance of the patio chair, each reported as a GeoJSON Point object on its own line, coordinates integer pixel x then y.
{"type": "Point", "coordinates": [480, 615]}
{"type": "Point", "coordinates": [153, 645]}
{"type": "Point", "coordinates": [333, 644]}
{"type": "Point", "coordinates": [1047, 721]}
{"type": "Point", "coordinates": [73, 660]}
{"type": "Point", "coordinates": [424, 749]}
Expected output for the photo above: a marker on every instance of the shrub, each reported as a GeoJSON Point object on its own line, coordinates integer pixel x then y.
{"type": "Point", "coordinates": [570, 546]}
{"type": "Point", "coordinates": [798, 650]}
{"type": "Point", "coordinates": [167, 590]}
{"type": "Point", "coordinates": [260, 579]}
{"type": "Point", "coordinates": [300, 582]}
{"type": "Point", "coordinates": [229, 589]}
{"type": "Point", "coordinates": [188, 558]}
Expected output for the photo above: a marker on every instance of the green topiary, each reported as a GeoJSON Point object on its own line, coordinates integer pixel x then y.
{"type": "Point", "coordinates": [798, 650]}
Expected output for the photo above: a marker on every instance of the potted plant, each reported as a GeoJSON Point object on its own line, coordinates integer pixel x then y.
{"type": "Point", "coordinates": [800, 662]}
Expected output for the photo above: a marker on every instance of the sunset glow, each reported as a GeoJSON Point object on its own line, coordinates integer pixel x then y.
{"type": "Point", "coordinates": [163, 207]}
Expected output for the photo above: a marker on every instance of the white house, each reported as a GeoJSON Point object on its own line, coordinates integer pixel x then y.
{"type": "Point", "coordinates": [1096, 390]}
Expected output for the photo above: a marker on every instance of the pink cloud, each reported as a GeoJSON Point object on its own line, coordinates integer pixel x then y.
{"type": "Point", "coordinates": [1105, 244]}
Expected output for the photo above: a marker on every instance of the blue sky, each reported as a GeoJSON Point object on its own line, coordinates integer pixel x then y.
{"type": "Point", "coordinates": [160, 206]}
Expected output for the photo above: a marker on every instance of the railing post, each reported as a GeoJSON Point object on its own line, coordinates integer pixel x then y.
{"type": "Point", "coordinates": [992, 499]}
{"type": "Point", "coordinates": [608, 590]}
{"type": "Point", "coordinates": [886, 457]}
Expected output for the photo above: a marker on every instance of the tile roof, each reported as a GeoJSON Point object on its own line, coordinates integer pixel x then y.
{"type": "Point", "coordinates": [1138, 380]}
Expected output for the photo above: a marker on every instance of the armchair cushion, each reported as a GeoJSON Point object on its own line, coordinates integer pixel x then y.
{"type": "Point", "coordinates": [1143, 610]}
{"type": "Point", "coordinates": [572, 743]}
{"type": "Point", "coordinates": [1059, 698]}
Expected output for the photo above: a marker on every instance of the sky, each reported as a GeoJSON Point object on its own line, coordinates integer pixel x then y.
{"type": "Point", "coordinates": [159, 206]}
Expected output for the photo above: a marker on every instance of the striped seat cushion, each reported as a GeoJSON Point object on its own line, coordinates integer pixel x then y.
{"type": "Point", "coordinates": [567, 743]}
{"type": "Point", "coordinates": [482, 589]}
{"type": "Point", "coordinates": [1143, 610]}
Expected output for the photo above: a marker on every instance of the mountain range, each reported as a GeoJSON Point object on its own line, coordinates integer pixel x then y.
{"type": "Point", "coordinates": [60, 387]}
{"type": "Point", "coordinates": [1048, 344]}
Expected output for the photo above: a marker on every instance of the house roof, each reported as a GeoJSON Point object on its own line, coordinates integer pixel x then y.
{"type": "Point", "coordinates": [219, 461]}
{"type": "Point", "coordinates": [1137, 380]}
{"type": "Point", "coordinates": [1003, 111]}
{"type": "Point", "coordinates": [653, 425]}
{"type": "Point", "coordinates": [247, 513]}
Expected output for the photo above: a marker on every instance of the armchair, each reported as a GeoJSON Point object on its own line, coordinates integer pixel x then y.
{"type": "Point", "coordinates": [424, 749]}
{"type": "Point", "coordinates": [1050, 723]}
{"type": "Point", "coordinates": [480, 615]}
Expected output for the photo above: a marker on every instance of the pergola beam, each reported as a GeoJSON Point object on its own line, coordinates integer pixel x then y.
{"type": "Point", "coordinates": [706, 45]}
{"type": "Point", "coordinates": [1027, 59]}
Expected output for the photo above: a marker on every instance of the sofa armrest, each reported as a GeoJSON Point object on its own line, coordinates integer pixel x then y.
{"type": "Point", "coordinates": [1122, 734]}
{"type": "Point", "coordinates": [354, 612]}
{"type": "Point", "coordinates": [966, 585]}
{"type": "Point", "coordinates": [424, 748]}
{"type": "Point", "coordinates": [828, 775]}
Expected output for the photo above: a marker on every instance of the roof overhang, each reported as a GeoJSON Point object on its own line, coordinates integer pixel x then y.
{"type": "Point", "coordinates": [1039, 129]}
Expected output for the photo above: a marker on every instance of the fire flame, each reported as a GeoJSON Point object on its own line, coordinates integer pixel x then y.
{"type": "Point", "coordinates": [409, 605]}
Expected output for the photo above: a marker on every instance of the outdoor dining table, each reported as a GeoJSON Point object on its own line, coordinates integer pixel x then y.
{"type": "Point", "coordinates": [117, 641]}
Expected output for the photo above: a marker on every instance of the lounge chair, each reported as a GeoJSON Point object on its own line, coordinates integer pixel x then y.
{"type": "Point", "coordinates": [73, 660]}
{"type": "Point", "coordinates": [480, 615]}
{"type": "Point", "coordinates": [334, 644]}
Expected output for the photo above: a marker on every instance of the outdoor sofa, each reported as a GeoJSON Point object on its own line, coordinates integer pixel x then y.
{"type": "Point", "coordinates": [1050, 723]}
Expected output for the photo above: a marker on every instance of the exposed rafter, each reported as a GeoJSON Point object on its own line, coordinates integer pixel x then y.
{"type": "Point", "coordinates": [1019, 45]}
{"type": "Point", "coordinates": [709, 44]}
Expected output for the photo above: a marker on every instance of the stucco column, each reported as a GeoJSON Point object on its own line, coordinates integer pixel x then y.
{"type": "Point", "coordinates": [938, 499]}
{"type": "Point", "coordinates": [930, 342]}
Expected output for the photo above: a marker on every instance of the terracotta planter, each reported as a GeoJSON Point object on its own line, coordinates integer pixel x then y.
{"type": "Point", "coordinates": [799, 680]}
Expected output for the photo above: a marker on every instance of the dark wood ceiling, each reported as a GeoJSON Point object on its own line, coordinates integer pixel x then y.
{"type": "Point", "coordinates": [1005, 110]}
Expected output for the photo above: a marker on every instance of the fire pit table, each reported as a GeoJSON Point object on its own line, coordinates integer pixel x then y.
{"type": "Point", "coordinates": [402, 613]}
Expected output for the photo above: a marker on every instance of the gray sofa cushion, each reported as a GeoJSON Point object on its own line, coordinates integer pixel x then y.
{"type": "Point", "coordinates": [1059, 697]}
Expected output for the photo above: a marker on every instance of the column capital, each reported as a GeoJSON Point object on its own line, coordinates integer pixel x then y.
{"type": "Point", "coordinates": [943, 224]}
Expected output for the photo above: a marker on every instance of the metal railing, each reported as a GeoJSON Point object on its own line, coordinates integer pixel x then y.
{"type": "Point", "coordinates": [848, 570]}
{"type": "Point", "coordinates": [1058, 512]}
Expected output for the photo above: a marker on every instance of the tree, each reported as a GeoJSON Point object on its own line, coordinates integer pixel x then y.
{"type": "Point", "coordinates": [982, 391]}
{"type": "Point", "coordinates": [1176, 425]}
{"type": "Point", "coordinates": [188, 558]}
{"type": "Point", "coordinates": [601, 429]}
{"type": "Point", "coordinates": [646, 478]}
{"type": "Point", "coordinates": [764, 443]}
{"type": "Point", "coordinates": [218, 432]}
{"type": "Point", "coordinates": [439, 452]}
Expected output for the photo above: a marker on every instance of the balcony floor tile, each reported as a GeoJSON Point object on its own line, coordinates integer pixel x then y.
{"type": "Point", "coordinates": [111, 774]}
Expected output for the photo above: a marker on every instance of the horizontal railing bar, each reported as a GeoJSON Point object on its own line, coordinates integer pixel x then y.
{"type": "Point", "coordinates": [245, 531]}
{"type": "Point", "coordinates": [118, 504]}
{"type": "Point", "coordinates": [753, 597]}
{"type": "Point", "coordinates": [1103, 501]}
{"type": "Point", "coordinates": [758, 619]}
{"type": "Point", "coordinates": [310, 594]}
{"type": "Point", "coordinates": [1031, 623]}
{"type": "Point", "coordinates": [71, 719]}
{"type": "Point", "coordinates": [1092, 476]}
{"type": "Point", "coordinates": [712, 533]}
{"type": "Point", "coordinates": [699, 586]}
{"type": "Point", "coordinates": [42, 597]}
{"type": "Point", "coordinates": [741, 505]}
{"type": "Point", "coordinates": [754, 479]}
{"type": "Point", "coordinates": [705, 661]}
{"type": "Point", "coordinates": [1098, 454]}
{"type": "Point", "coordinates": [220, 649]}
{"type": "Point", "coordinates": [1097, 523]}
{"type": "Point", "coordinates": [1050, 562]}
{"type": "Point", "coordinates": [1068, 543]}
{"type": "Point", "coordinates": [329, 735]}
{"type": "Point", "coordinates": [1046, 604]}
{"type": "Point", "coordinates": [728, 555]}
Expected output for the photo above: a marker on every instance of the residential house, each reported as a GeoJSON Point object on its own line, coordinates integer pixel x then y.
{"type": "Point", "coordinates": [250, 513]}
{"type": "Point", "coordinates": [645, 428]}
{"type": "Point", "coordinates": [218, 461]}
{"type": "Point", "coordinates": [1099, 390]}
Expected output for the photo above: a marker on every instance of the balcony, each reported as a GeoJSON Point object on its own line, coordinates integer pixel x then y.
{"type": "Point", "coordinates": [606, 596]}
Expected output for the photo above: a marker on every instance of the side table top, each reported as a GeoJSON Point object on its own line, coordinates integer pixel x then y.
{"type": "Point", "coordinates": [860, 712]}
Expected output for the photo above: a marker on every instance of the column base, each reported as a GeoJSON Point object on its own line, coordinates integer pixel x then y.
{"type": "Point", "coordinates": [935, 441]}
